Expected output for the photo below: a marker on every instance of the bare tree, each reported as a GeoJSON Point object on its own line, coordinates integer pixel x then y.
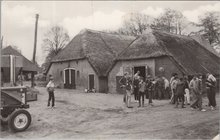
{"type": "Point", "coordinates": [210, 23]}
{"type": "Point", "coordinates": [54, 41]}
{"type": "Point", "coordinates": [135, 24]}
{"type": "Point", "coordinates": [170, 21]}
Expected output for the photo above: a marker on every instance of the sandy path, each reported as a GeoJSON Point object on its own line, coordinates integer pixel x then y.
{"type": "Point", "coordinates": [83, 115]}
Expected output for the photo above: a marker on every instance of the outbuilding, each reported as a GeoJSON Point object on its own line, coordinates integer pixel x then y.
{"type": "Point", "coordinates": [85, 61]}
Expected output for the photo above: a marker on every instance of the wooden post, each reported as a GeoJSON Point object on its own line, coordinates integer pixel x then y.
{"type": "Point", "coordinates": [34, 52]}
{"type": "Point", "coordinates": [1, 42]}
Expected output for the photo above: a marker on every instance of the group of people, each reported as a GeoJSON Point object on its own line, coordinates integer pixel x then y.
{"type": "Point", "coordinates": [178, 89]}
{"type": "Point", "coordinates": [137, 86]}
{"type": "Point", "coordinates": [186, 91]}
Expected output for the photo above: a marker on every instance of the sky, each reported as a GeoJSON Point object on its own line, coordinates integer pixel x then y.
{"type": "Point", "coordinates": [18, 17]}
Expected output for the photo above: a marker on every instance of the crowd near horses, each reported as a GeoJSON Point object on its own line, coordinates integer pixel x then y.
{"type": "Point", "coordinates": [180, 90]}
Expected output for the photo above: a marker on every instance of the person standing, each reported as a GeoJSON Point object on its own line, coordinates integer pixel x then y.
{"type": "Point", "coordinates": [210, 87]}
{"type": "Point", "coordinates": [172, 100]}
{"type": "Point", "coordinates": [179, 94]}
{"type": "Point", "coordinates": [122, 82]}
{"type": "Point", "coordinates": [129, 89]}
{"type": "Point", "coordinates": [50, 88]}
{"type": "Point", "coordinates": [150, 89]}
{"type": "Point", "coordinates": [136, 85]}
{"type": "Point", "coordinates": [20, 79]}
{"type": "Point", "coordinates": [160, 87]}
{"type": "Point", "coordinates": [142, 89]}
{"type": "Point", "coordinates": [126, 83]}
{"type": "Point", "coordinates": [166, 87]}
{"type": "Point", "coordinates": [187, 95]}
{"type": "Point", "coordinates": [195, 86]}
{"type": "Point", "coordinates": [173, 88]}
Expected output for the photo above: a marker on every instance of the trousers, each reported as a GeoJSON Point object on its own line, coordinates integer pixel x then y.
{"type": "Point", "coordinates": [51, 98]}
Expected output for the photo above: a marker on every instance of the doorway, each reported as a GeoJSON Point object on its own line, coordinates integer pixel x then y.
{"type": "Point", "coordinates": [91, 81]}
{"type": "Point", "coordinates": [69, 78]}
{"type": "Point", "coordinates": [142, 71]}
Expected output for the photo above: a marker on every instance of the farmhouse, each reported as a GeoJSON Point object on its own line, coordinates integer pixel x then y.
{"type": "Point", "coordinates": [86, 60]}
{"type": "Point", "coordinates": [155, 49]}
{"type": "Point", "coordinates": [97, 60]}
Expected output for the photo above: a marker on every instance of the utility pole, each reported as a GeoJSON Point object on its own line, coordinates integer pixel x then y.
{"type": "Point", "coordinates": [1, 42]}
{"type": "Point", "coordinates": [34, 52]}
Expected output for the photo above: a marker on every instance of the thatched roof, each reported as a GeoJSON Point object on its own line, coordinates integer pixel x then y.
{"type": "Point", "coordinates": [205, 43]}
{"type": "Point", "coordinates": [99, 48]}
{"type": "Point", "coordinates": [27, 64]}
{"type": "Point", "coordinates": [185, 51]}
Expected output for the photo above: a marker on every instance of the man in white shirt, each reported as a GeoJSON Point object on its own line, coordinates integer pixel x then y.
{"type": "Point", "coordinates": [50, 89]}
{"type": "Point", "coordinates": [210, 87]}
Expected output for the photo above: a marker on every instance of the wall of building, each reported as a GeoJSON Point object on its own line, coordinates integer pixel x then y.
{"type": "Point", "coordinates": [169, 67]}
{"type": "Point", "coordinates": [82, 71]}
{"type": "Point", "coordinates": [119, 67]}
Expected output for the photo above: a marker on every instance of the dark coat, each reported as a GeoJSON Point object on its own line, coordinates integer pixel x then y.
{"type": "Point", "coordinates": [180, 88]}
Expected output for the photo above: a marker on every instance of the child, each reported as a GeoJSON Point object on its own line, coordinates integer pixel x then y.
{"type": "Point", "coordinates": [50, 89]}
{"type": "Point", "coordinates": [142, 89]}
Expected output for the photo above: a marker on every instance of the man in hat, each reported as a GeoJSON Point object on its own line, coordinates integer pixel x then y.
{"type": "Point", "coordinates": [50, 88]}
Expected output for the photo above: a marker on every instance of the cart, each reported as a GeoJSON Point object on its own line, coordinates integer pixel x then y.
{"type": "Point", "coordinates": [13, 105]}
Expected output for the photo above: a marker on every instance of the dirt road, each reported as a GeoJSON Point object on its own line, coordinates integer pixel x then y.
{"type": "Point", "coordinates": [104, 116]}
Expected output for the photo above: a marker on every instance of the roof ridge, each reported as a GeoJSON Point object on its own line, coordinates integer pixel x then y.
{"type": "Point", "coordinates": [125, 49]}
{"type": "Point", "coordinates": [107, 45]}
{"type": "Point", "coordinates": [96, 31]}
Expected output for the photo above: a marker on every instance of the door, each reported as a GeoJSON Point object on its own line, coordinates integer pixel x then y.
{"type": "Point", "coordinates": [69, 78]}
{"type": "Point", "coordinates": [73, 81]}
{"type": "Point", "coordinates": [91, 81]}
{"type": "Point", "coordinates": [66, 78]}
{"type": "Point", "coordinates": [142, 70]}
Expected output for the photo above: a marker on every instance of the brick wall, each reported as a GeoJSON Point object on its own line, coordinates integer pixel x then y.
{"type": "Point", "coordinates": [83, 68]}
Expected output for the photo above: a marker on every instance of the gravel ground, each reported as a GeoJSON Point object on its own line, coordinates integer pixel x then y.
{"type": "Point", "coordinates": [103, 116]}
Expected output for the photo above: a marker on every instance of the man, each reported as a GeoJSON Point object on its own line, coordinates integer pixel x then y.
{"type": "Point", "coordinates": [172, 100]}
{"type": "Point", "coordinates": [50, 88]}
{"type": "Point", "coordinates": [166, 87]}
{"type": "Point", "coordinates": [160, 87]}
{"type": "Point", "coordinates": [142, 89]}
{"type": "Point", "coordinates": [126, 83]}
{"type": "Point", "coordinates": [136, 75]}
{"type": "Point", "coordinates": [122, 82]}
{"type": "Point", "coordinates": [210, 87]}
{"type": "Point", "coordinates": [179, 94]}
{"type": "Point", "coordinates": [20, 79]}
{"type": "Point", "coordinates": [195, 86]}
{"type": "Point", "coordinates": [150, 89]}
{"type": "Point", "coordinates": [136, 85]}
{"type": "Point", "coordinates": [173, 85]}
